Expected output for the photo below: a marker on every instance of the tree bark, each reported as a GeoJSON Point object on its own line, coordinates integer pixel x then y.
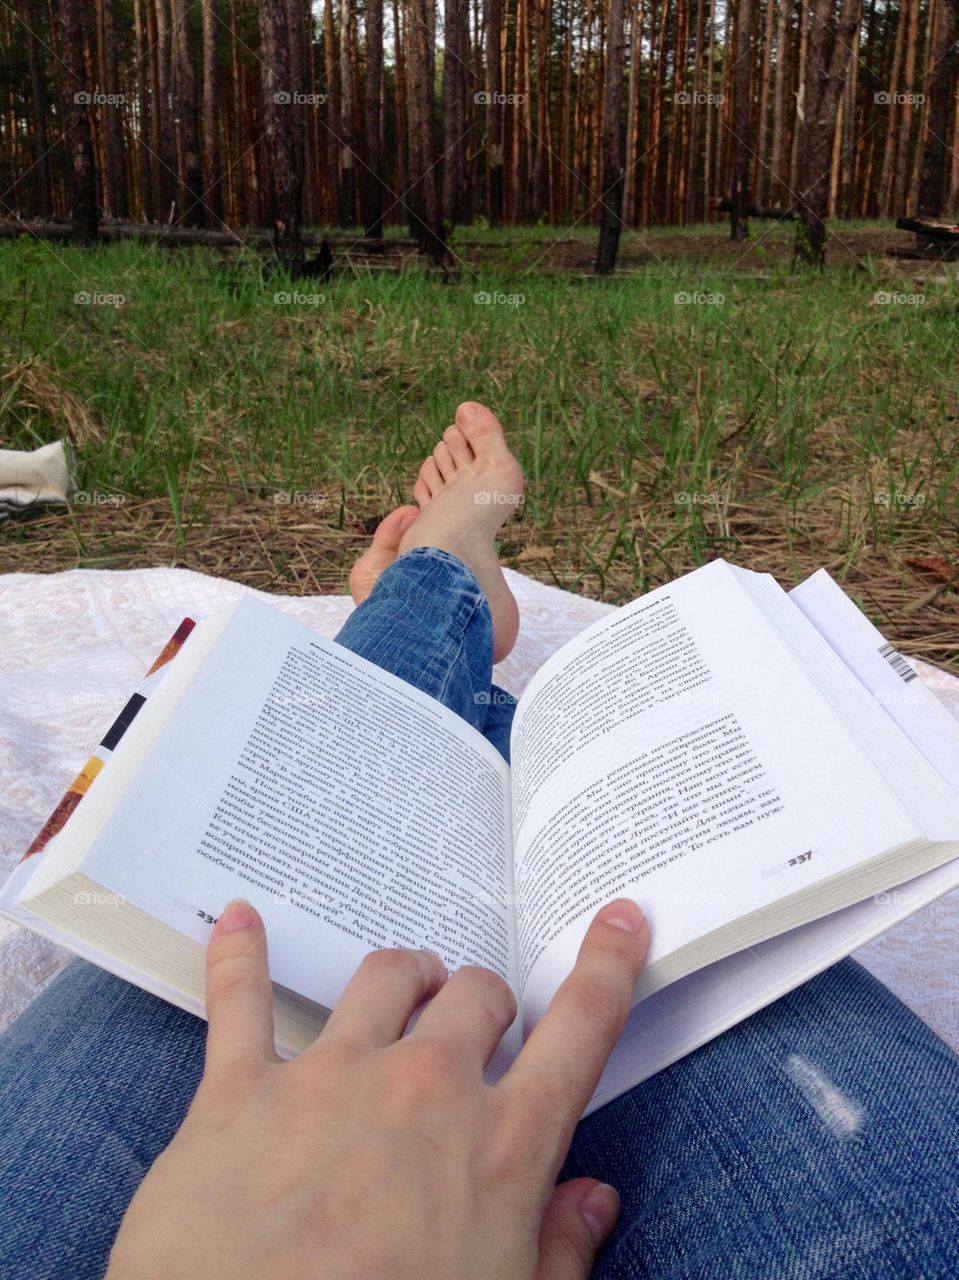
{"type": "Point", "coordinates": [455, 58]}
{"type": "Point", "coordinates": [905, 118]}
{"type": "Point", "coordinates": [611, 207]}
{"type": "Point", "coordinates": [347, 141]}
{"type": "Point", "coordinates": [829, 50]}
{"type": "Point", "coordinates": [191, 207]}
{"type": "Point", "coordinates": [940, 91]}
{"type": "Point", "coordinates": [147, 207]}
{"type": "Point", "coordinates": [373, 183]}
{"type": "Point", "coordinates": [285, 181]}
{"type": "Point", "coordinates": [739, 220]}
{"type": "Point", "coordinates": [795, 157]}
{"type": "Point", "coordinates": [761, 165]}
{"type": "Point", "coordinates": [165, 148]}
{"type": "Point", "coordinates": [779, 182]}
{"type": "Point", "coordinates": [212, 171]}
{"type": "Point", "coordinates": [889, 148]}
{"type": "Point", "coordinates": [32, 18]}
{"type": "Point", "coordinates": [330, 63]}
{"type": "Point", "coordinates": [541, 12]}
{"type": "Point", "coordinates": [115, 201]}
{"type": "Point", "coordinates": [422, 196]}
{"type": "Point", "coordinates": [78, 136]}
{"type": "Point", "coordinates": [494, 110]}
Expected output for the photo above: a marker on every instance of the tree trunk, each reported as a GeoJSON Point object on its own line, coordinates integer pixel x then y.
{"type": "Point", "coordinates": [795, 158]}
{"type": "Point", "coordinates": [494, 109]}
{"type": "Point", "coordinates": [296, 12]}
{"type": "Point", "coordinates": [905, 119]}
{"type": "Point", "coordinates": [455, 60]}
{"type": "Point", "coordinates": [347, 141]}
{"type": "Point", "coordinates": [147, 207]}
{"type": "Point", "coordinates": [166, 167]}
{"type": "Point", "coordinates": [912, 186]}
{"type": "Point", "coordinates": [32, 20]}
{"type": "Point", "coordinates": [849, 134]}
{"type": "Point", "coordinates": [889, 149]}
{"type": "Point", "coordinates": [373, 178]}
{"type": "Point", "coordinates": [952, 198]}
{"type": "Point", "coordinates": [631, 184]}
{"type": "Point", "coordinates": [78, 137]}
{"type": "Point", "coordinates": [422, 197]}
{"type": "Point", "coordinates": [693, 149]}
{"type": "Point", "coordinates": [828, 61]}
{"type": "Point", "coordinates": [739, 219]}
{"type": "Point", "coordinates": [192, 208]}
{"type": "Point", "coordinates": [286, 184]}
{"type": "Point", "coordinates": [543, 150]}
{"type": "Point", "coordinates": [779, 183]}
{"type": "Point", "coordinates": [212, 192]}
{"type": "Point", "coordinates": [708, 182]}
{"type": "Point", "coordinates": [567, 130]}
{"type": "Point", "coordinates": [330, 63]}
{"type": "Point", "coordinates": [611, 208]}
{"type": "Point", "coordinates": [940, 91]}
{"type": "Point", "coordinates": [115, 201]}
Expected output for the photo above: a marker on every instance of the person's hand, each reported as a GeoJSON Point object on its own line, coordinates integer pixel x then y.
{"type": "Point", "coordinates": [376, 1155]}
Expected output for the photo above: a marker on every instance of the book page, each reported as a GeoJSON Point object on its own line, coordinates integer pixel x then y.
{"type": "Point", "coordinates": [351, 809]}
{"type": "Point", "coordinates": [674, 753]}
{"type": "Point", "coordinates": [884, 672]}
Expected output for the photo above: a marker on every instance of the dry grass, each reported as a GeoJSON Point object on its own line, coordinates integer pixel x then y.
{"type": "Point", "coordinates": [305, 550]}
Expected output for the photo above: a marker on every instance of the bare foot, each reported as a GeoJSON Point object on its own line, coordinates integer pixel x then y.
{"type": "Point", "coordinates": [467, 490]}
{"type": "Point", "coordinates": [381, 552]}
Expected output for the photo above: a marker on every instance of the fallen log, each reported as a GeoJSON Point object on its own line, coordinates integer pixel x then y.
{"type": "Point", "coordinates": [934, 239]}
{"type": "Point", "coordinates": [724, 205]}
{"type": "Point", "coordinates": [930, 227]}
{"type": "Point", "coordinates": [176, 237]}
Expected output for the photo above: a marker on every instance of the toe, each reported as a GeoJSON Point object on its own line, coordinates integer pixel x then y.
{"type": "Point", "coordinates": [430, 475]}
{"type": "Point", "coordinates": [479, 426]}
{"type": "Point", "coordinates": [421, 492]}
{"type": "Point", "coordinates": [392, 527]}
{"type": "Point", "coordinates": [458, 446]}
{"type": "Point", "coordinates": [445, 462]}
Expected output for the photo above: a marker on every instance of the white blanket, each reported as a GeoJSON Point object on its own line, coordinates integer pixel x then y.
{"type": "Point", "coordinates": [73, 646]}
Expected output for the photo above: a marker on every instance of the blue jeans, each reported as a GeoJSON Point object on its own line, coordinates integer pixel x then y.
{"type": "Point", "coordinates": [820, 1138]}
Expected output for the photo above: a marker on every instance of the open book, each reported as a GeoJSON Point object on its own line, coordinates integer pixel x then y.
{"type": "Point", "coordinates": [760, 771]}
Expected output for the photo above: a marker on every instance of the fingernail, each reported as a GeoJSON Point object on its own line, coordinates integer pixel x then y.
{"type": "Point", "coordinates": [236, 915]}
{"type": "Point", "coordinates": [601, 1209]}
{"type": "Point", "coordinates": [624, 914]}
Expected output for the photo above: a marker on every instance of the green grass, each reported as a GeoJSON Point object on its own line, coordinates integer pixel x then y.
{"type": "Point", "coordinates": [791, 402]}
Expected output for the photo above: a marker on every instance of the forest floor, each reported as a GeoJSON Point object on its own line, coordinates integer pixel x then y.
{"type": "Point", "coordinates": [706, 400]}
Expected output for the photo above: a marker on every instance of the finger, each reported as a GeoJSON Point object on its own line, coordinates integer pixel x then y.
{"type": "Point", "coordinates": [380, 998]}
{"type": "Point", "coordinates": [471, 1012]}
{"type": "Point", "coordinates": [239, 995]}
{"type": "Point", "coordinates": [558, 1067]}
{"type": "Point", "coordinates": [579, 1219]}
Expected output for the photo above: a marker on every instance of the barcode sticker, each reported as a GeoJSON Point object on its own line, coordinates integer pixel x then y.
{"type": "Point", "coordinates": [897, 662]}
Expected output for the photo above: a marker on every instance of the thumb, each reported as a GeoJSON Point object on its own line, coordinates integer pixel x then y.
{"type": "Point", "coordinates": [579, 1219]}
{"type": "Point", "coordinates": [239, 996]}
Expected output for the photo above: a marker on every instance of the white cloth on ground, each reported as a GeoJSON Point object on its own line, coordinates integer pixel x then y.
{"type": "Point", "coordinates": [75, 644]}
